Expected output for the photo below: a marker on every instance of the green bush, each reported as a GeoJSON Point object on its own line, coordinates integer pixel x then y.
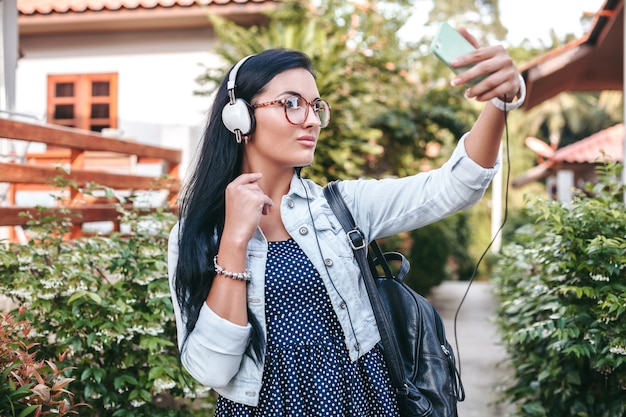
{"type": "Point", "coordinates": [562, 286]}
{"type": "Point", "coordinates": [105, 302]}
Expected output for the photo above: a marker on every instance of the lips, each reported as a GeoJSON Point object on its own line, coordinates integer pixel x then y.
{"type": "Point", "coordinates": [307, 140]}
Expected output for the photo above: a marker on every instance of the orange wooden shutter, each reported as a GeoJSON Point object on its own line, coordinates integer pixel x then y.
{"type": "Point", "coordinates": [84, 101]}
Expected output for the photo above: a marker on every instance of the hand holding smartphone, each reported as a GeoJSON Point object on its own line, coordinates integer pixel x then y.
{"type": "Point", "coordinates": [449, 44]}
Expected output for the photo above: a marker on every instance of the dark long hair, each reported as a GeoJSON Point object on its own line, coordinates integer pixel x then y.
{"type": "Point", "coordinates": [202, 198]}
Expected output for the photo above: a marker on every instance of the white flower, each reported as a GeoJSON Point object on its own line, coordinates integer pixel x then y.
{"type": "Point", "coordinates": [71, 290]}
{"type": "Point", "coordinates": [41, 251]}
{"type": "Point", "coordinates": [152, 331]}
{"type": "Point", "coordinates": [154, 295]}
{"type": "Point", "coordinates": [20, 293]}
{"type": "Point", "coordinates": [149, 252]}
{"type": "Point", "coordinates": [598, 277]}
{"type": "Point", "coordinates": [161, 385]}
{"type": "Point", "coordinates": [51, 283]}
{"type": "Point", "coordinates": [46, 296]}
{"type": "Point", "coordinates": [620, 350]}
{"type": "Point", "coordinates": [137, 403]}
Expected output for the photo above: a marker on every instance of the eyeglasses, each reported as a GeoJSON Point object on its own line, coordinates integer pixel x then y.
{"type": "Point", "coordinates": [297, 109]}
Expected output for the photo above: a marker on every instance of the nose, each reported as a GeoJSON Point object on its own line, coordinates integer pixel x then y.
{"type": "Point", "coordinates": [311, 118]}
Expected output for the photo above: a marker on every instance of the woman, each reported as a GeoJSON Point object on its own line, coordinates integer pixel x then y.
{"type": "Point", "coordinates": [269, 309]}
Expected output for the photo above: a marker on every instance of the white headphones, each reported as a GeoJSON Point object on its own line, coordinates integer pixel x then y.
{"type": "Point", "coordinates": [237, 115]}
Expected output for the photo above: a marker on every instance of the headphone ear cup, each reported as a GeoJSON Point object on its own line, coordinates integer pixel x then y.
{"type": "Point", "coordinates": [238, 116]}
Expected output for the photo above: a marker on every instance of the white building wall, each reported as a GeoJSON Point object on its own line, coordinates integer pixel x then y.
{"type": "Point", "coordinates": [156, 74]}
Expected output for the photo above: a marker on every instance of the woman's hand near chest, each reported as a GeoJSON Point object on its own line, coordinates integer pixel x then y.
{"type": "Point", "coordinates": [245, 204]}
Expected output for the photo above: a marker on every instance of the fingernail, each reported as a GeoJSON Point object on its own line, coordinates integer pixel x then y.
{"type": "Point", "coordinates": [468, 94]}
{"type": "Point", "coordinates": [454, 62]}
{"type": "Point", "coordinates": [455, 82]}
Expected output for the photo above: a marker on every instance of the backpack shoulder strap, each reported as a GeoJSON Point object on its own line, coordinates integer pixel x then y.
{"type": "Point", "coordinates": [391, 350]}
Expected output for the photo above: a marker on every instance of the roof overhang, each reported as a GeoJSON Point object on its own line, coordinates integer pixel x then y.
{"type": "Point", "coordinates": [592, 63]}
{"type": "Point", "coordinates": [195, 15]}
{"type": "Point", "coordinates": [604, 146]}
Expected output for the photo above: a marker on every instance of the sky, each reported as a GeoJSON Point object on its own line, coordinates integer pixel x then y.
{"type": "Point", "coordinates": [531, 19]}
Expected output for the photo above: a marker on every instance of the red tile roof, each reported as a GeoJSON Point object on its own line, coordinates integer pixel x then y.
{"type": "Point", "coordinates": [606, 145]}
{"type": "Point", "coordinates": [33, 7]}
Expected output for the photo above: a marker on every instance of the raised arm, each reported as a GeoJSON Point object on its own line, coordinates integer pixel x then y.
{"type": "Point", "coordinates": [503, 82]}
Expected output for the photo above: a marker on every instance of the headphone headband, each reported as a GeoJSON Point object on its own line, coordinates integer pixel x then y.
{"type": "Point", "coordinates": [232, 78]}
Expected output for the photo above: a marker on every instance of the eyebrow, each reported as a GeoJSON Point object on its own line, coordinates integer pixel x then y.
{"type": "Point", "coordinates": [295, 93]}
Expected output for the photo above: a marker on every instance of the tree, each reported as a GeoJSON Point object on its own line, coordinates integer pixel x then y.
{"type": "Point", "coordinates": [480, 17]}
{"type": "Point", "coordinates": [570, 117]}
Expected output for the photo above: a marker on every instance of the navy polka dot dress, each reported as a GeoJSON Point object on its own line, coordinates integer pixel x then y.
{"type": "Point", "coordinates": [307, 368]}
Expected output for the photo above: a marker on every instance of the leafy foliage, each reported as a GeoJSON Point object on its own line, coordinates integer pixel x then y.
{"type": "Point", "coordinates": [562, 284]}
{"type": "Point", "coordinates": [104, 302]}
{"type": "Point", "coordinates": [28, 386]}
{"type": "Point", "coordinates": [570, 117]}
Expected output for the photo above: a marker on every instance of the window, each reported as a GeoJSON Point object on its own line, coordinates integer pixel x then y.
{"type": "Point", "coordinates": [83, 101]}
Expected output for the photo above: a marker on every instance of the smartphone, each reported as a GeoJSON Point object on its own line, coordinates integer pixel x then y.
{"type": "Point", "coordinates": [449, 44]}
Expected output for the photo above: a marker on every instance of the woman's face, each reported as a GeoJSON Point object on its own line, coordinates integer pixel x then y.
{"type": "Point", "coordinates": [277, 143]}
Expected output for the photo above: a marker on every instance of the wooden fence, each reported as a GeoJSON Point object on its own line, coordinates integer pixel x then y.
{"type": "Point", "coordinates": [86, 157]}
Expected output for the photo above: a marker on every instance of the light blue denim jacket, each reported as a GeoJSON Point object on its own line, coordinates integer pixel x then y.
{"type": "Point", "coordinates": [214, 353]}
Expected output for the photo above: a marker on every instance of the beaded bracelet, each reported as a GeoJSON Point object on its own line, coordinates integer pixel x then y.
{"type": "Point", "coordinates": [240, 276]}
{"type": "Point", "coordinates": [504, 106]}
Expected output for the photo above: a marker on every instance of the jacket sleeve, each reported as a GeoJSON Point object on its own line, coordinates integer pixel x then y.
{"type": "Point", "coordinates": [214, 349]}
{"type": "Point", "coordinates": [390, 206]}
